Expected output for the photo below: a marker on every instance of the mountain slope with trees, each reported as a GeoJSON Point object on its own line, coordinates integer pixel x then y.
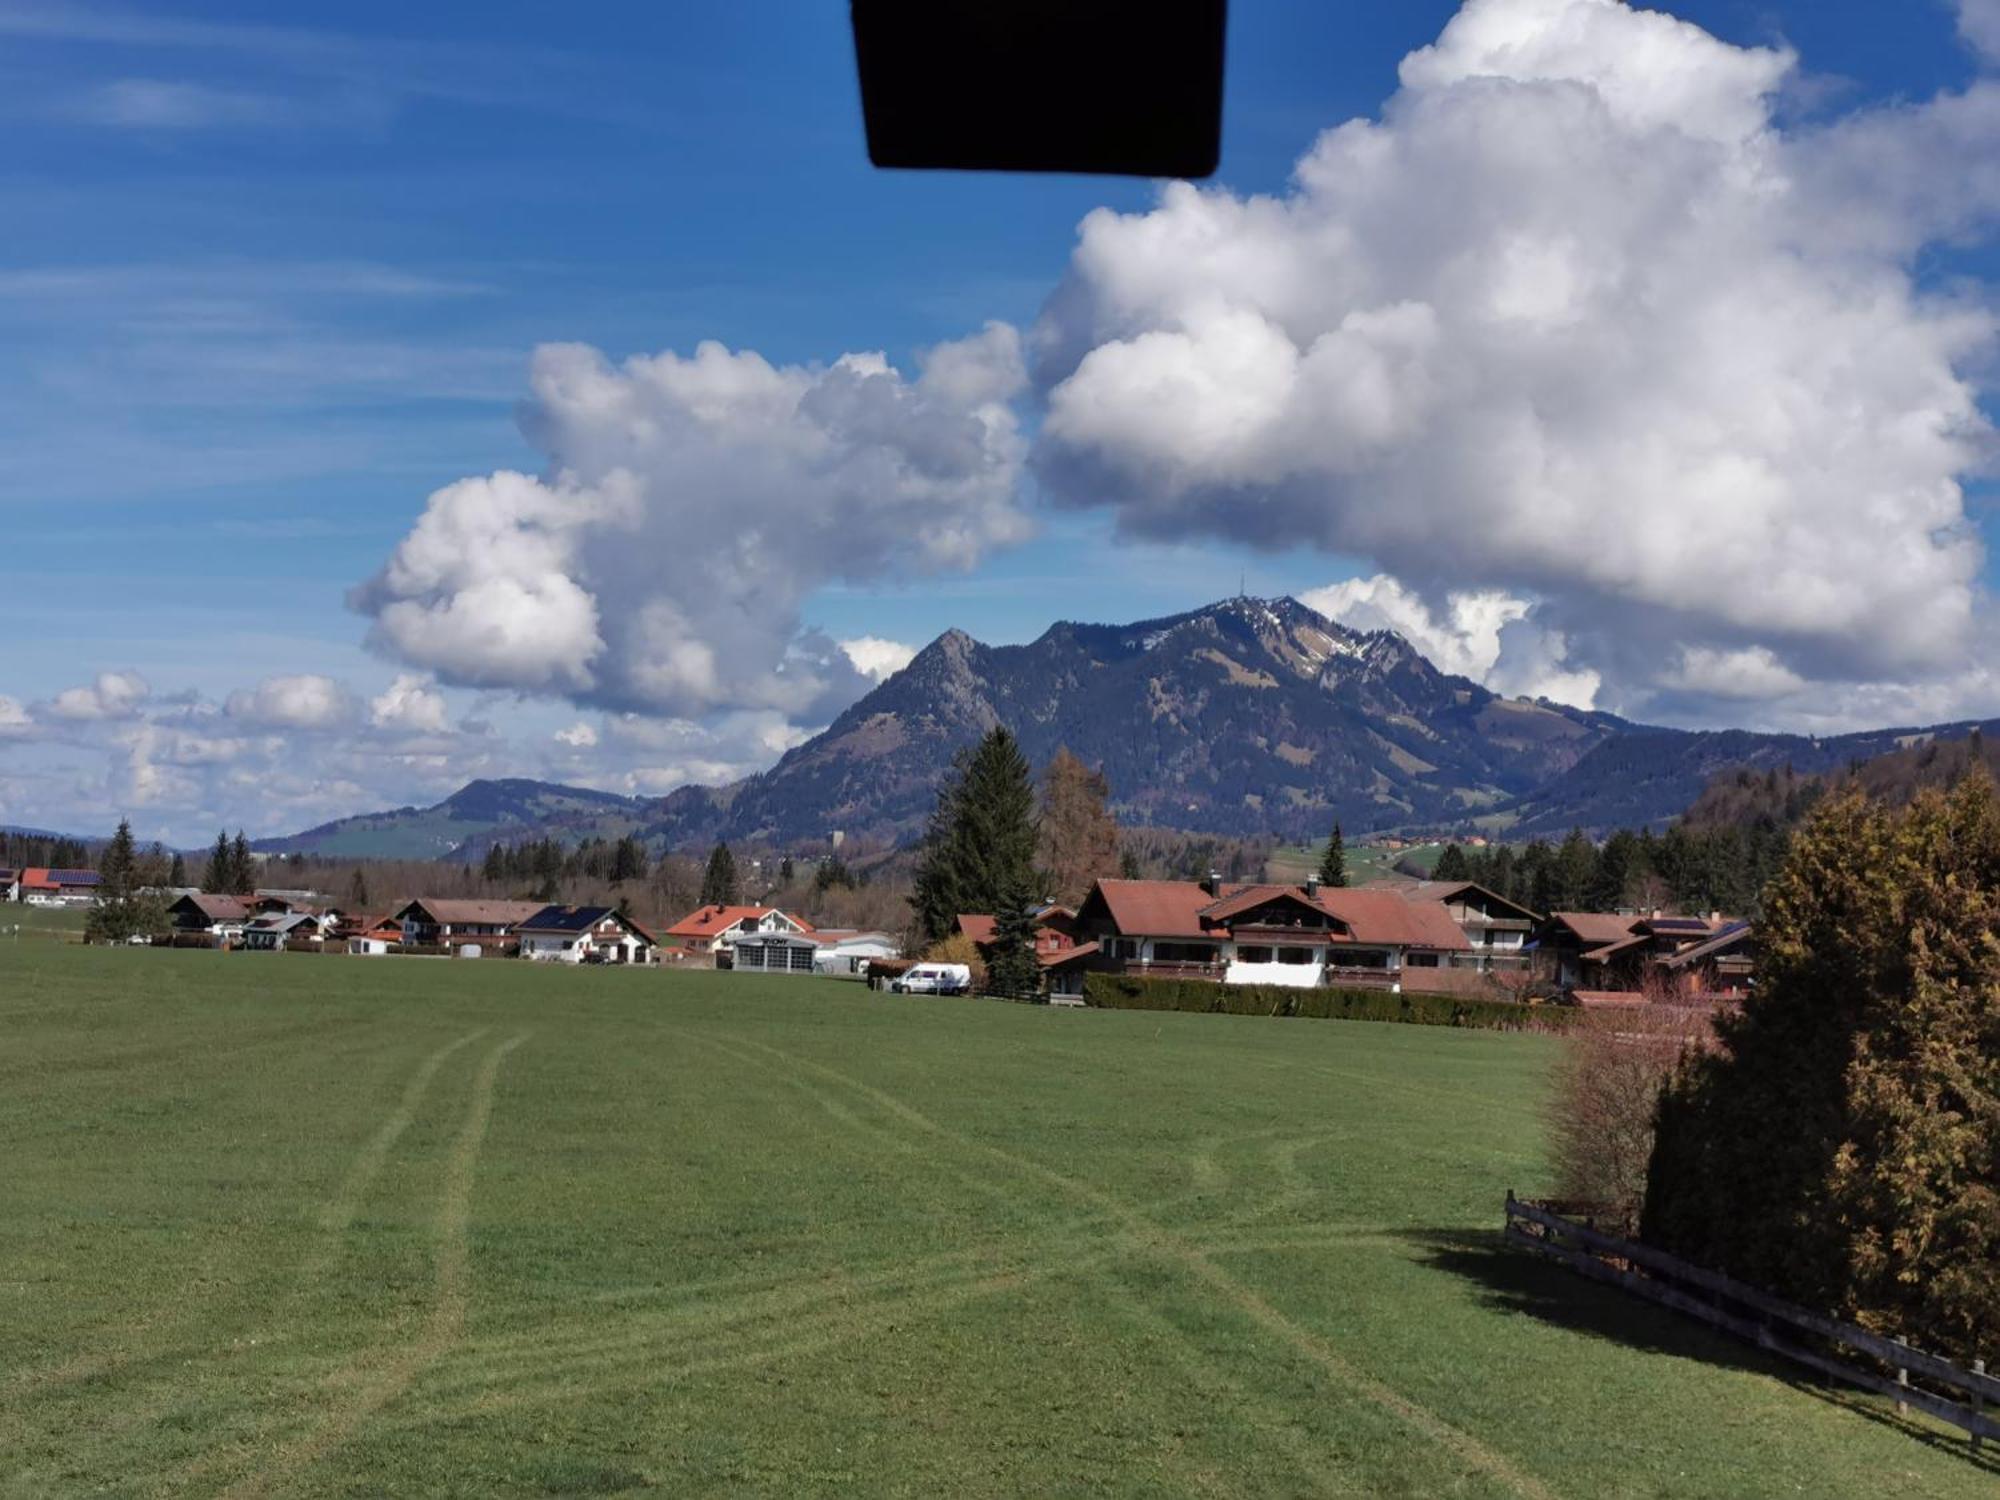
{"type": "Point", "coordinates": [468, 822]}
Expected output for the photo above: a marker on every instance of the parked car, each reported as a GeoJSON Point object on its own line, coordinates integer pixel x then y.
{"type": "Point", "coordinates": [934, 979]}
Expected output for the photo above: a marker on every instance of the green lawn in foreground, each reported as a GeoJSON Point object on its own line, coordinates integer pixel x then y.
{"type": "Point", "coordinates": [276, 1224]}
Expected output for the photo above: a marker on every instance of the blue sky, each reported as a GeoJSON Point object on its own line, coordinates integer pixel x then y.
{"type": "Point", "coordinates": [269, 283]}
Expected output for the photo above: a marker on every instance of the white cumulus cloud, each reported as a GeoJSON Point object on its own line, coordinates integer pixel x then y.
{"type": "Point", "coordinates": [409, 704]}
{"type": "Point", "coordinates": [306, 701]}
{"type": "Point", "coordinates": [690, 507]}
{"type": "Point", "coordinates": [578, 736]}
{"type": "Point", "coordinates": [14, 718]}
{"type": "Point", "coordinates": [114, 695]}
{"type": "Point", "coordinates": [877, 658]}
{"type": "Point", "coordinates": [1575, 322]}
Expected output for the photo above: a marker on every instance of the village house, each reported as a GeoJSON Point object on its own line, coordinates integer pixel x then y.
{"type": "Point", "coordinates": [1499, 930]}
{"type": "Point", "coordinates": [43, 887]}
{"type": "Point", "coordinates": [10, 885]}
{"type": "Point", "coordinates": [220, 917]}
{"type": "Point", "coordinates": [1055, 930]}
{"type": "Point", "coordinates": [1598, 953]}
{"type": "Point", "coordinates": [1267, 934]}
{"type": "Point", "coordinates": [271, 931]}
{"type": "Point", "coordinates": [369, 936]}
{"type": "Point", "coordinates": [584, 934]}
{"type": "Point", "coordinates": [711, 931]}
{"type": "Point", "coordinates": [469, 928]}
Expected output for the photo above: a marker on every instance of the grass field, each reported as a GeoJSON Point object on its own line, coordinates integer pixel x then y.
{"type": "Point", "coordinates": [1293, 862]}
{"type": "Point", "coordinates": [279, 1225]}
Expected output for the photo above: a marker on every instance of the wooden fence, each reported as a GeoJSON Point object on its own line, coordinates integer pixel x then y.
{"type": "Point", "coordinates": [1766, 1321]}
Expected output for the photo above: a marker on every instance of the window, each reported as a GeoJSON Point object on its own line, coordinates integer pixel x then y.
{"type": "Point", "coordinates": [1295, 955]}
{"type": "Point", "coordinates": [1253, 955]}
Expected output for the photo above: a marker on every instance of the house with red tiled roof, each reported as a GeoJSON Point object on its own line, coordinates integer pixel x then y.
{"type": "Point", "coordinates": [1499, 930]}
{"type": "Point", "coordinates": [463, 926]}
{"type": "Point", "coordinates": [1055, 929]}
{"type": "Point", "coordinates": [1267, 934]}
{"type": "Point", "coordinates": [1712, 956]}
{"type": "Point", "coordinates": [712, 931]}
{"type": "Point", "coordinates": [45, 887]}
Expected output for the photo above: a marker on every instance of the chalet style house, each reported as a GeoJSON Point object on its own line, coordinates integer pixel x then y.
{"type": "Point", "coordinates": [1268, 934]}
{"type": "Point", "coordinates": [489, 926]}
{"type": "Point", "coordinates": [584, 934]}
{"type": "Point", "coordinates": [1500, 931]}
{"type": "Point", "coordinates": [1705, 958]}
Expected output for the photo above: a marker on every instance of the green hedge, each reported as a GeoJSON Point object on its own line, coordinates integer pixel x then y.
{"type": "Point", "coordinates": [1126, 992]}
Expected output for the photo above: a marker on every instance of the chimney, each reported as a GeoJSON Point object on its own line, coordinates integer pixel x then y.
{"type": "Point", "coordinates": [1213, 885]}
{"type": "Point", "coordinates": [1312, 887]}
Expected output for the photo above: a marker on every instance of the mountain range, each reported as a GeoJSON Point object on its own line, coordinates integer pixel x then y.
{"type": "Point", "coordinates": [1248, 717]}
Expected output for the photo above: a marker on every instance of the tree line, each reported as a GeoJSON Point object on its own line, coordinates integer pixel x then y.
{"type": "Point", "coordinates": [545, 864]}
{"type": "Point", "coordinates": [22, 851]}
{"type": "Point", "coordinates": [1721, 868]}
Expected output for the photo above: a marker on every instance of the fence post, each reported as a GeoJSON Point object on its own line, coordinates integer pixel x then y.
{"type": "Point", "coordinates": [1978, 1404]}
{"type": "Point", "coordinates": [1902, 1380]}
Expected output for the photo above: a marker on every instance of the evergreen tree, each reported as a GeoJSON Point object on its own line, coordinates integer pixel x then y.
{"type": "Point", "coordinates": [1619, 864]}
{"type": "Point", "coordinates": [118, 864]}
{"type": "Point", "coordinates": [1842, 1146]}
{"type": "Point", "coordinates": [216, 878]}
{"type": "Point", "coordinates": [357, 891]}
{"type": "Point", "coordinates": [494, 870]}
{"type": "Point", "coordinates": [122, 909]}
{"type": "Point", "coordinates": [719, 886]}
{"type": "Point", "coordinates": [1079, 837]}
{"type": "Point", "coordinates": [242, 867]}
{"type": "Point", "coordinates": [787, 871]}
{"type": "Point", "coordinates": [1452, 865]}
{"type": "Point", "coordinates": [1536, 877]}
{"type": "Point", "coordinates": [832, 871]}
{"type": "Point", "coordinates": [1011, 968]}
{"type": "Point", "coordinates": [1574, 876]}
{"type": "Point", "coordinates": [979, 847]}
{"type": "Point", "coordinates": [177, 875]}
{"type": "Point", "coordinates": [628, 861]}
{"type": "Point", "coordinates": [1333, 860]}
{"type": "Point", "coordinates": [1129, 867]}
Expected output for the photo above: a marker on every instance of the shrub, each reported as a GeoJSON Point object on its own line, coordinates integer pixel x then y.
{"type": "Point", "coordinates": [1129, 992]}
{"type": "Point", "coordinates": [1605, 1101]}
{"type": "Point", "coordinates": [959, 949]}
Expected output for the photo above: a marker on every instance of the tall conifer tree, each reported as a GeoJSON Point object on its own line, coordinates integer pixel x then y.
{"type": "Point", "coordinates": [1333, 860]}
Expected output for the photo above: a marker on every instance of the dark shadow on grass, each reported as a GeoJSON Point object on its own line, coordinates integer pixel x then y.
{"type": "Point", "coordinates": [1516, 1281]}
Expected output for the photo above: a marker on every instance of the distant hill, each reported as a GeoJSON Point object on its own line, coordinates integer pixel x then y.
{"type": "Point", "coordinates": [465, 822]}
{"type": "Point", "coordinates": [1743, 797]}
{"type": "Point", "coordinates": [1647, 778]}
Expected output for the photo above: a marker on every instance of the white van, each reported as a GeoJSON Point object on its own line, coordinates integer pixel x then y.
{"type": "Point", "coordinates": [934, 979]}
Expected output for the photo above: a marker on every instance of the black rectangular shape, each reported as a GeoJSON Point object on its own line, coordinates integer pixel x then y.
{"type": "Point", "coordinates": [1132, 87]}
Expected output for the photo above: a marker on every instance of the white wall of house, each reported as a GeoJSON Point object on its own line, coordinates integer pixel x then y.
{"type": "Point", "coordinates": [1299, 976]}
{"type": "Point", "coordinates": [368, 947]}
{"type": "Point", "coordinates": [567, 949]}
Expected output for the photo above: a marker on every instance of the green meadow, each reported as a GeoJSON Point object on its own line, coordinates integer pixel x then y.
{"type": "Point", "coordinates": [290, 1225]}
